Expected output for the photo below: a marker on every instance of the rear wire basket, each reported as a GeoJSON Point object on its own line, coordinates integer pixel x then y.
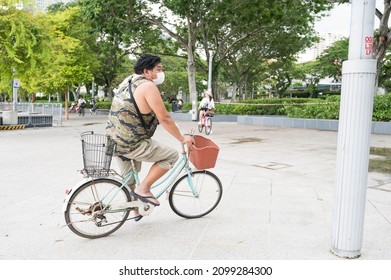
{"type": "Point", "coordinates": [203, 154]}
{"type": "Point", "coordinates": [98, 151]}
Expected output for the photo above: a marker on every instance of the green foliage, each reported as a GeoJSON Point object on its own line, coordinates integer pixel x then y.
{"type": "Point", "coordinates": [330, 62]}
{"type": "Point", "coordinates": [49, 52]}
{"type": "Point", "coordinates": [186, 107]}
{"type": "Point", "coordinates": [245, 34]}
{"type": "Point", "coordinates": [309, 108]}
{"type": "Point", "coordinates": [382, 108]}
{"type": "Point", "coordinates": [273, 106]}
{"type": "Point", "coordinates": [23, 47]}
{"type": "Point", "coordinates": [104, 105]}
{"type": "Point", "coordinates": [315, 109]}
{"type": "Point", "coordinates": [72, 57]}
{"type": "Point", "coordinates": [385, 73]}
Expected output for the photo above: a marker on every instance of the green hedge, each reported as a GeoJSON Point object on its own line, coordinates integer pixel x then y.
{"type": "Point", "coordinates": [329, 109]}
{"type": "Point", "coordinates": [382, 108]}
{"type": "Point", "coordinates": [272, 106]}
{"type": "Point", "coordinates": [315, 109]}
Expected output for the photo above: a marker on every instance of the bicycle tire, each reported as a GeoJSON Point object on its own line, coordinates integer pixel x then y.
{"type": "Point", "coordinates": [87, 198]}
{"type": "Point", "coordinates": [208, 126]}
{"type": "Point", "coordinates": [186, 205]}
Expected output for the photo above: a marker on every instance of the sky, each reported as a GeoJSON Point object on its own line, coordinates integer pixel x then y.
{"type": "Point", "coordinates": [338, 22]}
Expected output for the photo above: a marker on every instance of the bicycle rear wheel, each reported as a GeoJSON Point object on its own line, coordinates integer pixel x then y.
{"type": "Point", "coordinates": [185, 204]}
{"type": "Point", "coordinates": [208, 126]}
{"type": "Point", "coordinates": [88, 212]}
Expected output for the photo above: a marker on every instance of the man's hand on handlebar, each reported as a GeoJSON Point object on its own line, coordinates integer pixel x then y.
{"type": "Point", "coordinates": [188, 139]}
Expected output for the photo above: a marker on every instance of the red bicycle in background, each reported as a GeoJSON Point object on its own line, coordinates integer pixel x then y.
{"type": "Point", "coordinates": [206, 121]}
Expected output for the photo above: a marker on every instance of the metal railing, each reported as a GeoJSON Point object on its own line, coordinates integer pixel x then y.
{"type": "Point", "coordinates": [37, 109]}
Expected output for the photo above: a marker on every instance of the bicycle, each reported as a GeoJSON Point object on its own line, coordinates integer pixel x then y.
{"type": "Point", "coordinates": [81, 111]}
{"type": "Point", "coordinates": [93, 109]}
{"type": "Point", "coordinates": [206, 122]}
{"type": "Point", "coordinates": [101, 204]}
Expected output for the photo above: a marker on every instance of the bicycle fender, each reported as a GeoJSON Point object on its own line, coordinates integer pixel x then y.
{"type": "Point", "coordinates": [71, 191]}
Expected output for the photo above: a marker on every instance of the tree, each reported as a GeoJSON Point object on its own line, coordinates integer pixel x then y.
{"type": "Point", "coordinates": [72, 62]}
{"type": "Point", "coordinates": [243, 70]}
{"type": "Point", "coordinates": [120, 30]}
{"type": "Point", "coordinates": [273, 29]}
{"type": "Point", "coordinates": [310, 74]}
{"type": "Point", "coordinates": [23, 47]}
{"type": "Point", "coordinates": [385, 74]}
{"type": "Point", "coordinates": [330, 62]}
{"type": "Point", "coordinates": [278, 29]}
{"type": "Point", "coordinates": [382, 38]}
{"type": "Point", "coordinates": [282, 72]}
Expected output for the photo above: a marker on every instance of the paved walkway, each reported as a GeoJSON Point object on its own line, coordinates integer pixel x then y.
{"type": "Point", "coordinates": [277, 202]}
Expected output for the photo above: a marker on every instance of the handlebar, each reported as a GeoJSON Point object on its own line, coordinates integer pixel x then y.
{"type": "Point", "coordinates": [183, 145]}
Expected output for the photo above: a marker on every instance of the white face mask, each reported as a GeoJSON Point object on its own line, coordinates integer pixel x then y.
{"type": "Point", "coordinates": [160, 78]}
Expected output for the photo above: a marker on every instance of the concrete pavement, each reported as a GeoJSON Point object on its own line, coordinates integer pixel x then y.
{"type": "Point", "coordinates": [277, 202]}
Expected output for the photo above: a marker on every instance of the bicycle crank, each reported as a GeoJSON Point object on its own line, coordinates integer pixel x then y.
{"type": "Point", "coordinates": [144, 209]}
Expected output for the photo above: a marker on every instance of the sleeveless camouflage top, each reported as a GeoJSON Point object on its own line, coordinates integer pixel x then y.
{"type": "Point", "coordinates": [124, 124]}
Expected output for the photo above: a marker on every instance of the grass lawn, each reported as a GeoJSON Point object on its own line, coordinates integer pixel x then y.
{"type": "Point", "coordinates": [383, 164]}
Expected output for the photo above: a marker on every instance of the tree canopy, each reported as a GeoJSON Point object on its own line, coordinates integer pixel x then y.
{"type": "Point", "coordinates": [88, 40]}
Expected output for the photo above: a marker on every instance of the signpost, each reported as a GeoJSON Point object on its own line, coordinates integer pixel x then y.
{"type": "Point", "coordinates": [15, 86]}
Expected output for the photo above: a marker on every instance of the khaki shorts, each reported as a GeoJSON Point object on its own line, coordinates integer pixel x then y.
{"type": "Point", "coordinates": [149, 151]}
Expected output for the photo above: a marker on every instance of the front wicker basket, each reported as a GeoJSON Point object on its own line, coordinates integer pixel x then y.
{"type": "Point", "coordinates": [203, 154]}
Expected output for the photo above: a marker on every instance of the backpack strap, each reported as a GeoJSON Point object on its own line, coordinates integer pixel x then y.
{"type": "Point", "coordinates": [135, 104]}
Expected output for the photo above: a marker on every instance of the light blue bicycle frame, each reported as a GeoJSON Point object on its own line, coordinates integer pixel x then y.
{"type": "Point", "coordinates": [166, 181]}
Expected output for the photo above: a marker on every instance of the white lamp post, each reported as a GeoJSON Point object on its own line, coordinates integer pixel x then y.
{"type": "Point", "coordinates": [355, 122]}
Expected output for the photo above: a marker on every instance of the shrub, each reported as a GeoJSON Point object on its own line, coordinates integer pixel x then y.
{"type": "Point", "coordinates": [315, 109]}
{"type": "Point", "coordinates": [103, 105]}
{"type": "Point", "coordinates": [382, 108]}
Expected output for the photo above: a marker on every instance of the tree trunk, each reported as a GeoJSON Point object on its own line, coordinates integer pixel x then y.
{"type": "Point", "coordinates": [191, 69]}
{"type": "Point", "coordinates": [66, 105]}
{"type": "Point", "coordinates": [191, 75]}
{"type": "Point", "coordinates": [383, 40]}
{"type": "Point", "coordinates": [74, 95]}
{"type": "Point", "coordinates": [59, 99]}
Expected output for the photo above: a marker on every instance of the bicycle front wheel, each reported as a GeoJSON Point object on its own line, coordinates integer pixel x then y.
{"type": "Point", "coordinates": [90, 213]}
{"type": "Point", "coordinates": [200, 127]}
{"type": "Point", "coordinates": [208, 191]}
{"type": "Point", "coordinates": [208, 126]}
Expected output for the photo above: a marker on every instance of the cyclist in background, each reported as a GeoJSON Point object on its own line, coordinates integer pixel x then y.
{"type": "Point", "coordinates": [81, 104]}
{"type": "Point", "coordinates": [94, 106]}
{"type": "Point", "coordinates": [207, 105]}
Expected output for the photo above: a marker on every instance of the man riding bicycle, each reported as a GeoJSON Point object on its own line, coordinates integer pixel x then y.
{"type": "Point", "coordinates": [134, 115]}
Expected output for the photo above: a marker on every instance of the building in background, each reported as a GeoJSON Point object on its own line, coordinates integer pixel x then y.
{"type": "Point", "coordinates": [326, 40]}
